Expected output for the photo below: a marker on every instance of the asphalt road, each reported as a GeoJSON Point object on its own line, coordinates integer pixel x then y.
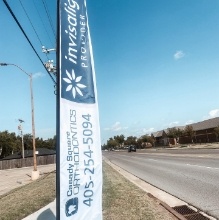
{"type": "Point", "coordinates": [189, 174]}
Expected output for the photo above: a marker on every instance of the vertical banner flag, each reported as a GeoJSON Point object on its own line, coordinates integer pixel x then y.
{"type": "Point", "coordinates": [80, 160]}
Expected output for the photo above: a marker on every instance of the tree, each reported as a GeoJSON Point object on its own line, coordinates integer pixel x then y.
{"type": "Point", "coordinates": [144, 139]}
{"type": "Point", "coordinates": [189, 132]}
{"type": "Point", "coordinates": [51, 143]}
{"type": "Point", "coordinates": [119, 139]}
{"type": "Point", "coordinates": [174, 132]}
{"type": "Point", "coordinates": [216, 131]}
{"type": "Point", "coordinates": [28, 142]}
{"type": "Point", "coordinates": [111, 143]}
{"type": "Point", "coordinates": [9, 143]}
{"type": "Point", "coordinates": [104, 147]}
{"type": "Point", "coordinates": [131, 140]}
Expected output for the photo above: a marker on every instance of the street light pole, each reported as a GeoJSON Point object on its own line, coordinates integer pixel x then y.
{"type": "Point", "coordinates": [35, 174]}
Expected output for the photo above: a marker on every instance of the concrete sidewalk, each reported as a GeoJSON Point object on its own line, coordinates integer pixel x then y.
{"type": "Point", "coordinates": [13, 178]}
{"type": "Point", "coordinates": [46, 213]}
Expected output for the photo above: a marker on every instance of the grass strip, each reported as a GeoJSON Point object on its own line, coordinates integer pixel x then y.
{"type": "Point", "coordinates": [25, 200]}
{"type": "Point", "coordinates": [122, 200]}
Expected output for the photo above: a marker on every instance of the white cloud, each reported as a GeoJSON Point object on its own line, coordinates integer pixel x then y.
{"type": "Point", "coordinates": [38, 75]}
{"type": "Point", "coordinates": [116, 127]}
{"type": "Point", "coordinates": [148, 131]}
{"type": "Point", "coordinates": [212, 114]}
{"type": "Point", "coordinates": [189, 122]}
{"type": "Point", "coordinates": [174, 123]}
{"type": "Point", "coordinates": [179, 55]}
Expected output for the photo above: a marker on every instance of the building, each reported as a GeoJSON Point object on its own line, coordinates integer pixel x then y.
{"type": "Point", "coordinates": [202, 132]}
{"type": "Point", "coordinates": [160, 137]}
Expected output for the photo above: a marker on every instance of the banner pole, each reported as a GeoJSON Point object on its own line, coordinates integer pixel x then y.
{"type": "Point", "coordinates": [79, 156]}
{"type": "Point", "coordinates": [58, 113]}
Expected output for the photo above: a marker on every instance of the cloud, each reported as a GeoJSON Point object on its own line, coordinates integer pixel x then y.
{"type": "Point", "coordinates": [38, 75]}
{"type": "Point", "coordinates": [212, 114]}
{"type": "Point", "coordinates": [116, 127]}
{"type": "Point", "coordinates": [174, 123]}
{"type": "Point", "coordinates": [179, 55]}
{"type": "Point", "coordinates": [148, 131]}
{"type": "Point", "coordinates": [189, 122]}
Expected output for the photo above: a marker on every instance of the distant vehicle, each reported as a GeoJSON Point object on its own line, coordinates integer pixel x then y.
{"type": "Point", "coordinates": [132, 148]}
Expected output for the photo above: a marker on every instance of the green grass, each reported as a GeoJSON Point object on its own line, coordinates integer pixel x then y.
{"type": "Point", "coordinates": [122, 200]}
{"type": "Point", "coordinates": [27, 199]}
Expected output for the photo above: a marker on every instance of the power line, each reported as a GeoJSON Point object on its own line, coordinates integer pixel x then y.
{"type": "Point", "coordinates": [42, 22]}
{"type": "Point", "coordinates": [32, 25]}
{"type": "Point", "coordinates": [49, 17]}
{"type": "Point", "coordinates": [11, 12]}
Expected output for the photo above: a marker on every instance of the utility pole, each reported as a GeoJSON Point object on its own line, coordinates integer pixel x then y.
{"type": "Point", "coordinates": [50, 66]}
{"type": "Point", "coordinates": [44, 50]}
{"type": "Point", "coordinates": [50, 63]}
{"type": "Point", "coordinates": [22, 139]}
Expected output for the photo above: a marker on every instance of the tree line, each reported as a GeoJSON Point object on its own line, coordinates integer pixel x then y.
{"type": "Point", "coordinates": [119, 141]}
{"type": "Point", "coordinates": [187, 131]}
{"type": "Point", "coordinates": [11, 143]}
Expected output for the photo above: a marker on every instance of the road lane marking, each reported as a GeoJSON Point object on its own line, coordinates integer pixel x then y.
{"type": "Point", "coordinates": [215, 168]}
{"type": "Point", "coordinates": [153, 159]}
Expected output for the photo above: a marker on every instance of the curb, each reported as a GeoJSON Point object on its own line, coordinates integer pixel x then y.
{"type": "Point", "coordinates": [165, 199]}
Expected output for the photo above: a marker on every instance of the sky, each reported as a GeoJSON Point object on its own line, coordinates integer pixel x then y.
{"type": "Point", "coordinates": [156, 63]}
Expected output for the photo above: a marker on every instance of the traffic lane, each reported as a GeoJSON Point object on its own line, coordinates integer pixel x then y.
{"type": "Point", "coordinates": [207, 160]}
{"type": "Point", "coordinates": [169, 161]}
{"type": "Point", "coordinates": [197, 185]}
{"type": "Point", "coordinates": [181, 151]}
{"type": "Point", "coordinates": [191, 152]}
{"type": "Point", "coordinates": [196, 159]}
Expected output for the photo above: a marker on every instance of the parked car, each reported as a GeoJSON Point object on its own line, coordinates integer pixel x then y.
{"type": "Point", "coordinates": [132, 148]}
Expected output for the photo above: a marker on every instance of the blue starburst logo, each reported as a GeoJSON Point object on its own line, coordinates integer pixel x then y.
{"type": "Point", "coordinates": [74, 84]}
{"type": "Point", "coordinates": [78, 87]}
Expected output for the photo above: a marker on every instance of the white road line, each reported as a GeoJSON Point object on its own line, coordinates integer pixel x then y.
{"type": "Point", "coordinates": [153, 159]}
{"type": "Point", "coordinates": [214, 168]}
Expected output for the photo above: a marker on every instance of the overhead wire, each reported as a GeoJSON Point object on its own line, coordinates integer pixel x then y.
{"type": "Point", "coordinates": [32, 25]}
{"type": "Point", "coordinates": [22, 30]}
{"type": "Point", "coordinates": [49, 17]}
{"type": "Point", "coordinates": [30, 22]}
{"type": "Point", "coordinates": [46, 30]}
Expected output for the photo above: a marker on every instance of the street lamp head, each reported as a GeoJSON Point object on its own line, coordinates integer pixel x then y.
{"type": "Point", "coordinates": [11, 64]}
{"type": "Point", "coordinates": [20, 120]}
{"type": "Point", "coordinates": [3, 64]}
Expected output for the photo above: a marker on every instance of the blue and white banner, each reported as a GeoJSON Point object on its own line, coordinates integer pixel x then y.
{"type": "Point", "coordinates": [80, 148]}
